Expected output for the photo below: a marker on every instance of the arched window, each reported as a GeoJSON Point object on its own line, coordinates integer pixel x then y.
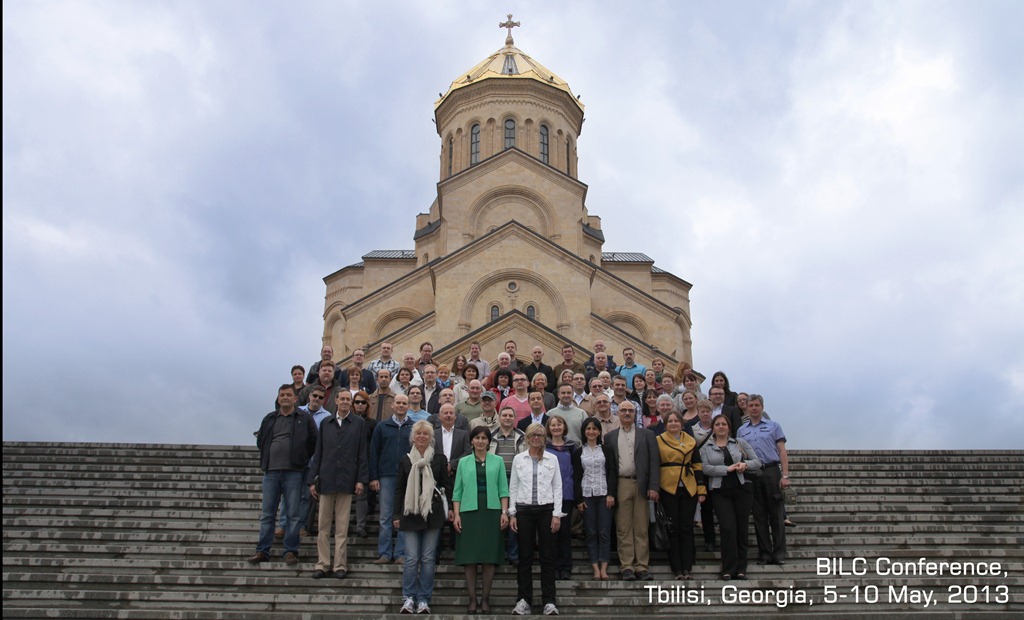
{"type": "Point", "coordinates": [531, 311]}
{"type": "Point", "coordinates": [474, 145]}
{"type": "Point", "coordinates": [544, 143]}
{"type": "Point", "coordinates": [510, 133]}
{"type": "Point", "coordinates": [451, 154]}
{"type": "Point", "coordinates": [568, 156]}
{"type": "Point", "coordinates": [494, 313]}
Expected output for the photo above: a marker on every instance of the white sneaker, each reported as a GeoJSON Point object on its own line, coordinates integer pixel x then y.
{"type": "Point", "coordinates": [522, 608]}
{"type": "Point", "coordinates": [550, 610]}
{"type": "Point", "coordinates": [423, 608]}
{"type": "Point", "coordinates": [408, 607]}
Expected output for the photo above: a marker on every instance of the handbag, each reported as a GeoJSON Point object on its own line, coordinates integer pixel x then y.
{"type": "Point", "coordinates": [661, 528]}
{"type": "Point", "coordinates": [444, 502]}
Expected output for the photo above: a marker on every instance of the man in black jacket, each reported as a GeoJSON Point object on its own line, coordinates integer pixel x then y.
{"type": "Point", "coordinates": [286, 440]}
{"type": "Point", "coordinates": [339, 471]}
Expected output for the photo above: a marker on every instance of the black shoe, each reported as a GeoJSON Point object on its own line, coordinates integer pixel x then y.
{"type": "Point", "coordinates": [709, 546]}
{"type": "Point", "coordinates": [741, 576]}
{"type": "Point", "coordinates": [361, 532]}
{"type": "Point", "coordinates": [762, 562]}
{"type": "Point", "coordinates": [644, 576]}
{"type": "Point", "coordinates": [319, 574]}
{"type": "Point", "coordinates": [258, 557]}
{"type": "Point", "coordinates": [779, 562]}
{"type": "Point", "coordinates": [628, 575]}
{"type": "Point", "coordinates": [340, 574]}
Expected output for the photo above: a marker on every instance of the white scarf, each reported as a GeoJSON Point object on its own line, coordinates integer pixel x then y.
{"type": "Point", "coordinates": [419, 491]}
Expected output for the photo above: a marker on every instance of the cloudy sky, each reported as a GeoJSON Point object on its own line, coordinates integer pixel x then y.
{"type": "Point", "coordinates": [841, 182]}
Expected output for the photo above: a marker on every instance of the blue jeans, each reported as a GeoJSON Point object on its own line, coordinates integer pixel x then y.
{"type": "Point", "coordinates": [511, 546]}
{"type": "Point", "coordinates": [278, 485]}
{"type": "Point", "coordinates": [303, 507]}
{"type": "Point", "coordinates": [386, 500]}
{"type": "Point", "coordinates": [597, 521]}
{"type": "Point", "coordinates": [418, 571]}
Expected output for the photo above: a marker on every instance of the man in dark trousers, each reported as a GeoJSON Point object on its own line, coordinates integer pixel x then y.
{"type": "Point", "coordinates": [769, 443]}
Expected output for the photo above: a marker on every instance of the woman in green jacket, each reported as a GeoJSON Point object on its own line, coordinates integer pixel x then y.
{"type": "Point", "coordinates": [480, 504]}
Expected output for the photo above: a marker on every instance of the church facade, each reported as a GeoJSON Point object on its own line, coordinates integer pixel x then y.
{"type": "Point", "coordinates": [508, 249]}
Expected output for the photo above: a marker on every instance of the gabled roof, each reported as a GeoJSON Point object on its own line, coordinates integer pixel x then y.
{"type": "Point", "coordinates": [509, 317]}
{"type": "Point", "coordinates": [625, 257]}
{"type": "Point", "coordinates": [537, 237]}
{"type": "Point", "coordinates": [386, 254]}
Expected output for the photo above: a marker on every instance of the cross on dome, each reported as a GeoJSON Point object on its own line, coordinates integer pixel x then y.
{"type": "Point", "coordinates": [510, 25]}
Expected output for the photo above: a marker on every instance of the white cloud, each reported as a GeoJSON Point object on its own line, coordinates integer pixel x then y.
{"type": "Point", "coordinates": [841, 183]}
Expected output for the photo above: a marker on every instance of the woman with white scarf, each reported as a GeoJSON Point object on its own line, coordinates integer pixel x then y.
{"type": "Point", "coordinates": [423, 491]}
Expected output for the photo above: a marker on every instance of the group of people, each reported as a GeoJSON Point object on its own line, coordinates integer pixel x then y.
{"type": "Point", "coordinates": [509, 457]}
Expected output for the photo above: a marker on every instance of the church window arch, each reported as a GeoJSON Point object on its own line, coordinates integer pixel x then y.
{"type": "Point", "coordinates": [544, 157]}
{"type": "Point", "coordinates": [510, 133]}
{"type": "Point", "coordinates": [474, 144]}
{"type": "Point", "coordinates": [495, 312]}
{"type": "Point", "coordinates": [568, 155]}
{"type": "Point", "coordinates": [531, 311]}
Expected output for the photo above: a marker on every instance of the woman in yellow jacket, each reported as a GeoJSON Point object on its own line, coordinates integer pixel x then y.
{"type": "Point", "coordinates": [682, 487]}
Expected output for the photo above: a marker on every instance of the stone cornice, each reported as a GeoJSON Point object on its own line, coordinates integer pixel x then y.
{"type": "Point", "coordinates": [511, 91]}
{"type": "Point", "coordinates": [487, 166]}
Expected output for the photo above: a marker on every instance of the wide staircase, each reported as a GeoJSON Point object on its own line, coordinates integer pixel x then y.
{"type": "Point", "coordinates": [162, 532]}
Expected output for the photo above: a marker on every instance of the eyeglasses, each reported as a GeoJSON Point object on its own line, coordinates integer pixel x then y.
{"type": "Point", "coordinates": [316, 395]}
{"type": "Point", "coordinates": [360, 402]}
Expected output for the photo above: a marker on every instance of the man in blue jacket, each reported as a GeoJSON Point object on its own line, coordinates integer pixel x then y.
{"type": "Point", "coordinates": [389, 443]}
{"type": "Point", "coordinates": [286, 440]}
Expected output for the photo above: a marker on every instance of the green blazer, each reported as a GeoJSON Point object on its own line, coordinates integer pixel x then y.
{"type": "Point", "coordinates": [465, 482]}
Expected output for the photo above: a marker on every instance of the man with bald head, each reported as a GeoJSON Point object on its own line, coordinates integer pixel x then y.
{"type": "Point", "coordinates": [472, 407]}
{"type": "Point", "coordinates": [537, 365]}
{"type": "Point", "coordinates": [600, 365]}
{"type": "Point", "coordinates": [599, 347]}
{"type": "Point", "coordinates": [446, 396]}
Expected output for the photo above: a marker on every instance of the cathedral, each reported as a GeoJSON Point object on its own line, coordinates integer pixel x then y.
{"type": "Point", "coordinates": [508, 249]}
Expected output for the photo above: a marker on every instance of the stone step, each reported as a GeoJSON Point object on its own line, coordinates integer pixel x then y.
{"type": "Point", "coordinates": [93, 529]}
{"type": "Point", "coordinates": [245, 515]}
{"type": "Point", "coordinates": [631, 601]}
{"type": "Point", "coordinates": [153, 531]}
{"type": "Point", "coordinates": [172, 489]}
{"type": "Point", "coordinates": [206, 480]}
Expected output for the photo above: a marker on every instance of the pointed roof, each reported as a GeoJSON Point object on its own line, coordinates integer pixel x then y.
{"type": "Point", "coordinates": [509, 63]}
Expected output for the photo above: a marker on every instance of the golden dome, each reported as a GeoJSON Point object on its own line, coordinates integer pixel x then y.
{"type": "Point", "coordinates": [509, 63]}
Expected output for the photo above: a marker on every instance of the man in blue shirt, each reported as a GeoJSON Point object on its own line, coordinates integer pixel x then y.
{"type": "Point", "coordinates": [769, 442]}
{"type": "Point", "coordinates": [630, 369]}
